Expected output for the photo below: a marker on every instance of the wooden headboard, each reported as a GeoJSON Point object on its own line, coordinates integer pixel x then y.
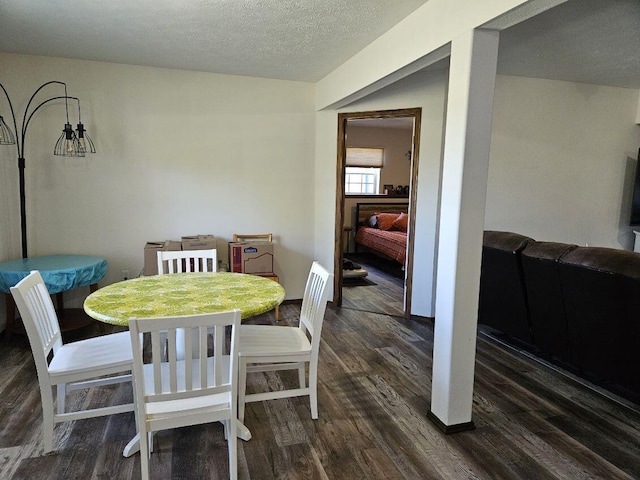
{"type": "Point", "coordinates": [365, 210]}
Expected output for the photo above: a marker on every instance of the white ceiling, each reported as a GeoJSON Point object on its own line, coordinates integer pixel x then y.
{"type": "Point", "coordinates": [282, 39]}
{"type": "Point", "coordinates": [584, 41]}
{"type": "Point", "coordinates": [588, 41]}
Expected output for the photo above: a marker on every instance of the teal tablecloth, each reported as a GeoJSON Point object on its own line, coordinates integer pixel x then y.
{"type": "Point", "coordinates": [59, 272]}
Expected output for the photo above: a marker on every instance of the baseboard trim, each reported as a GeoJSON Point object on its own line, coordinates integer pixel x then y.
{"type": "Point", "coordinates": [448, 429]}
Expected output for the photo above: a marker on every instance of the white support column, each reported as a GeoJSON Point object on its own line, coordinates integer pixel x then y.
{"type": "Point", "coordinates": [464, 184]}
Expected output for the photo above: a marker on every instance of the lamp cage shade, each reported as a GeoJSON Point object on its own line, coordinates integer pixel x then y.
{"type": "Point", "coordinates": [68, 145]}
{"type": "Point", "coordinates": [6, 135]}
{"type": "Point", "coordinates": [86, 144]}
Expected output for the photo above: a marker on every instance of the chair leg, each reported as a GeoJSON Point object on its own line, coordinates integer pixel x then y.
{"type": "Point", "coordinates": [144, 455]}
{"type": "Point", "coordinates": [61, 397]}
{"type": "Point", "coordinates": [150, 436]}
{"type": "Point", "coordinates": [48, 421]}
{"type": "Point", "coordinates": [242, 386]}
{"type": "Point", "coordinates": [301, 375]}
{"type": "Point", "coordinates": [232, 442]}
{"type": "Point", "coordinates": [47, 429]}
{"type": "Point", "coordinates": [313, 389]}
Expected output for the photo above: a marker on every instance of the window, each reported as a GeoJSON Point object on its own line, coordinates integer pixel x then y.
{"type": "Point", "coordinates": [361, 181]}
{"type": "Point", "coordinates": [362, 174]}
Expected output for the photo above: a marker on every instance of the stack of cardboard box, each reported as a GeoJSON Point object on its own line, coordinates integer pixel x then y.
{"type": "Point", "coordinates": [198, 242]}
{"type": "Point", "coordinates": [255, 257]}
{"type": "Point", "coordinates": [193, 242]}
{"type": "Point", "coordinates": [251, 257]}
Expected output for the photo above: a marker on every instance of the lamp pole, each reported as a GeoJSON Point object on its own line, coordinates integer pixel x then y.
{"type": "Point", "coordinates": [19, 141]}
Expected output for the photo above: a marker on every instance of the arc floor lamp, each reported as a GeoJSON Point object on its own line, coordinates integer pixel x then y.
{"type": "Point", "coordinates": [70, 144]}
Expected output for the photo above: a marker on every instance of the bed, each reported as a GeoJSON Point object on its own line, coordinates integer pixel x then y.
{"type": "Point", "coordinates": [382, 229]}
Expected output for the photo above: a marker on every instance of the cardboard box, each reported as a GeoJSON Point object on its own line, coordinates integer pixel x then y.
{"type": "Point", "coordinates": [151, 255]}
{"type": "Point", "coordinates": [198, 242]}
{"type": "Point", "coordinates": [251, 257]}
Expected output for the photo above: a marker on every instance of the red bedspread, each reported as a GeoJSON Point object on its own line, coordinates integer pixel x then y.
{"type": "Point", "coordinates": [392, 243]}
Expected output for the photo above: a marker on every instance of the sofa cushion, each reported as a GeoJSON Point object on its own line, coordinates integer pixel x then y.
{"type": "Point", "coordinates": [609, 260]}
{"type": "Point", "coordinates": [508, 241]}
{"type": "Point", "coordinates": [601, 289]}
{"type": "Point", "coordinates": [502, 302]}
{"type": "Point", "coordinates": [544, 296]}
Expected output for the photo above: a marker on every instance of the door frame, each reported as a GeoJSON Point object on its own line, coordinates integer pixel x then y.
{"type": "Point", "coordinates": [343, 118]}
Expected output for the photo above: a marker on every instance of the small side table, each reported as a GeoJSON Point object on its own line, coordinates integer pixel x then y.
{"type": "Point", "coordinates": [60, 273]}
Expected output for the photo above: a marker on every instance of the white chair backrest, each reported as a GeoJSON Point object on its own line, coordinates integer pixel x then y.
{"type": "Point", "coordinates": [180, 261]}
{"type": "Point", "coordinates": [314, 301]}
{"type": "Point", "coordinates": [203, 374]}
{"type": "Point", "coordinates": [40, 320]}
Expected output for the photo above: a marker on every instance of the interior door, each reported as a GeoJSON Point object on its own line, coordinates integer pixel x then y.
{"type": "Point", "coordinates": [412, 116]}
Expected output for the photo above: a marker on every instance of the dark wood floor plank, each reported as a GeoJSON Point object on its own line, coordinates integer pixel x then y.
{"type": "Point", "coordinates": [281, 414]}
{"type": "Point", "coordinates": [378, 292]}
{"type": "Point", "coordinates": [373, 391]}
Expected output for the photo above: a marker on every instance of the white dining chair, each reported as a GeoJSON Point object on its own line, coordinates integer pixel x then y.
{"type": "Point", "coordinates": [77, 365]}
{"type": "Point", "coordinates": [179, 261]}
{"type": "Point", "coordinates": [172, 393]}
{"type": "Point", "coordinates": [266, 348]}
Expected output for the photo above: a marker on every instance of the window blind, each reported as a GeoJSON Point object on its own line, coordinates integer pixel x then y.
{"type": "Point", "coordinates": [365, 157]}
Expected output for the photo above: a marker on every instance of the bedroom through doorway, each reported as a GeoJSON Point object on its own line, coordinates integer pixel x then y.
{"type": "Point", "coordinates": [376, 178]}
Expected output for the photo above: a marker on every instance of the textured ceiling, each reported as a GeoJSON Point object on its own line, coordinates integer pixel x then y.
{"type": "Point", "coordinates": [589, 41]}
{"type": "Point", "coordinates": [585, 41]}
{"type": "Point", "coordinates": [282, 39]}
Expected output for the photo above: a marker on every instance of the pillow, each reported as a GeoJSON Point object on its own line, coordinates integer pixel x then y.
{"type": "Point", "coordinates": [372, 222]}
{"type": "Point", "coordinates": [401, 223]}
{"type": "Point", "coordinates": [385, 220]}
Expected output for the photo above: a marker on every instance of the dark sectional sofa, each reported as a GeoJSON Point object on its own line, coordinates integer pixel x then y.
{"type": "Point", "coordinates": [578, 307]}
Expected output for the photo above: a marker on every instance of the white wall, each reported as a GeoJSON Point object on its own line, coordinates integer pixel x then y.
{"type": "Point", "coordinates": [423, 89]}
{"type": "Point", "coordinates": [562, 161]}
{"type": "Point", "coordinates": [179, 153]}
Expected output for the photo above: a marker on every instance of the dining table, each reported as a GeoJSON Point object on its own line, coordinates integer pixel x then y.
{"type": "Point", "coordinates": [61, 273]}
{"type": "Point", "coordinates": [179, 294]}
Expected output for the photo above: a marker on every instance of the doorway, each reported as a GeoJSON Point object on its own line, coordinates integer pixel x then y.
{"type": "Point", "coordinates": [346, 226]}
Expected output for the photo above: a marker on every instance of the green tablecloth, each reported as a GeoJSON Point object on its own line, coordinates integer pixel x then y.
{"type": "Point", "coordinates": [183, 294]}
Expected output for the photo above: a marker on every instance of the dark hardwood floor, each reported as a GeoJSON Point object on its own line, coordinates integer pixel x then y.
{"type": "Point", "coordinates": [381, 291]}
{"type": "Point", "coordinates": [374, 393]}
